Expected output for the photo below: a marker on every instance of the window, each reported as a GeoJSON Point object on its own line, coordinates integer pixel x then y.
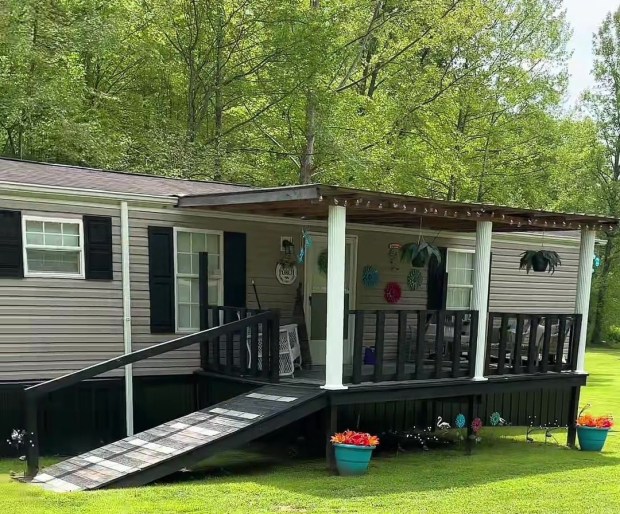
{"type": "Point", "coordinates": [460, 266]}
{"type": "Point", "coordinates": [53, 247]}
{"type": "Point", "coordinates": [188, 245]}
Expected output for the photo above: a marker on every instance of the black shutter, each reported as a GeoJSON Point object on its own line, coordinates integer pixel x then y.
{"type": "Point", "coordinates": [11, 251]}
{"type": "Point", "coordinates": [437, 282]}
{"type": "Point", "coordinates": [98, 247]}
{"type": "Point", "coordinates": [161, 279]}
{"type": "Point", "coordinates": [234, 269]}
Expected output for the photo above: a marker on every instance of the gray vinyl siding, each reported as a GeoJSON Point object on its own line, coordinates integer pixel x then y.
{"type": "Point", "coordinates": [49, 326]}
{"type": "Point", "coordinates": [52, 326]}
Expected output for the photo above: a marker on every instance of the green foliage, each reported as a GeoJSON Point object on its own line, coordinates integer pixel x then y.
{"type": "Point", "coordinates": [540, 260]}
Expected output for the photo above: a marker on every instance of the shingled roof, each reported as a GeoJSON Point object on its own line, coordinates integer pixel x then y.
{"type": "Point", "coordinates": [60, 175]}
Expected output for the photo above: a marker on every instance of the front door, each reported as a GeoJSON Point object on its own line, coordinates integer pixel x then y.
{"type": "Point", "coordinates": [316, 295]}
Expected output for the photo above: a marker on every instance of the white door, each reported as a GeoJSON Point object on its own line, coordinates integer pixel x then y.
{"type": "Point", "coordinates": [315, 292]}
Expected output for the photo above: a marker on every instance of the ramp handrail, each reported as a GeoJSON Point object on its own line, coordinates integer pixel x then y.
{"type": "Point", "coordinates": [269, 319]}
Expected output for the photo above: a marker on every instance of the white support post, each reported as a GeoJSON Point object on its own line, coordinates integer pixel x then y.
{"type": "Point", "coordinates": [584, 285]}
{"type": "Point", "coordinates": [126, 281]}
{"type": "Point", "coordinates": [334, 344]}
{"type": "Point", "coordinates": [480, 293]}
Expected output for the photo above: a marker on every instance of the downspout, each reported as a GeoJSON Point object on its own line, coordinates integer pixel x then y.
{"type": "Point", "coordinates": [126, 280]}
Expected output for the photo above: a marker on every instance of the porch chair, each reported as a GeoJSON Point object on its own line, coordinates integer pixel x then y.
{"type": "Point", "coordinates": [289, 350]}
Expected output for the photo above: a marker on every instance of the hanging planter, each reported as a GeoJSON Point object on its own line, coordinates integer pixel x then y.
{"type": "Point", "coordinates": [540, 261]}
{"type": "Point", "coordinates": [392, 292]}
{"type": "Point", "coordinates": [419, 254]}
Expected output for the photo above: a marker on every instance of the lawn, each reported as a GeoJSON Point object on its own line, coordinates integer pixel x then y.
{"type": "Point", "coordinates": [505, 475]}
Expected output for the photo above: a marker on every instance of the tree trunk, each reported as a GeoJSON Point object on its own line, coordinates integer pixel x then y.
{"type": "Point", "coordinates": [307, 157]}
{"type": "Point", "coordinates": [219, 104]}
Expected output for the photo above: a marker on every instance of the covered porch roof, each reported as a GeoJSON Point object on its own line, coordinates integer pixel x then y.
{"type": "Point", "coordinates": [311, 202]}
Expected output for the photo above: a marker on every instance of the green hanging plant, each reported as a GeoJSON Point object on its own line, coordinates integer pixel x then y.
{"type": "Point", "coordinates": [539, 261]}
{"type": "Point", "coordinates": [419, 254]}
{"type": "Point", "coordinates": [322, 262]}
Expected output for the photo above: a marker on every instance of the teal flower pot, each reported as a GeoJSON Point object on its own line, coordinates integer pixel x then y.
{"type": "Point", "coordinates": [352, 460]}
{"type": "Point", "coordinates": [592, 439]}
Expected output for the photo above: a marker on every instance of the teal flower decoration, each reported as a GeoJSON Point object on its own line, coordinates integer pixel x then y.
{"type": "Point", "coordinates": [495, 418]}
{"type": "Point", "coordinates": [370, 276]}
{"type": "Point", "coordinates": [460, 421]}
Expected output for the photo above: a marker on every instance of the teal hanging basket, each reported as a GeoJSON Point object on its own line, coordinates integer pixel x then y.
{"type": "Point", "coordinates": [352, 460]}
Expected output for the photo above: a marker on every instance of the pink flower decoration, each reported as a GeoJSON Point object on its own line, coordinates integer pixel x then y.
{"type": "Point", "coordinates": [476, 425]}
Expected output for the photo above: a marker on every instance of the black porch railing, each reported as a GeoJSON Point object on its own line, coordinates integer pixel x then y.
{"type": "Point", "coordinates": [519, 343]}
{"type": "Point", "coordinates": [268, 321]}
{"type": "Point", "coordinates": [391, 345]}
{"type": "Point", "coordinates": [242, 352]}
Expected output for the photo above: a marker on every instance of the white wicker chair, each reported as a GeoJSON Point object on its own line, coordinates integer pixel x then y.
{"type": "Point", "coordinates": [290, 351]}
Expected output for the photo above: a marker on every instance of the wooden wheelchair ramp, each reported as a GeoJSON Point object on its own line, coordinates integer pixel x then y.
{"type": "Point", "coordinates": [167, 448]}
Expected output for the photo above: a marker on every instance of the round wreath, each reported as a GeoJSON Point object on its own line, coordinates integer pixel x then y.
{"type": "Point", "coordinates": [370, 276]}
{"type": "Point", "coordinates": [322, 262]}
{"type": "Point", "coordinates": [495, 418]}
{"type": "Point", "coordinates": [414, 279]}
{"type": "Point", "coordinates": [392, 292]}
{"type": "Point", "coordinates": [460, 421]}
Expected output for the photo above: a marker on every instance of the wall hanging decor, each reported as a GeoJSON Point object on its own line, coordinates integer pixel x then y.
{"type": "Point", "coordinates": [393, 251]}
{"type": "Point", "coordinates": [286, 272]}
{"type": "Point", "coordinates": [306, 244]}
{"type": "Point", "coordinates": [322, 262]}
{"type": "Point", "coordinates": [392, 292]}
{"type": "Point", "coordinates": [414, 279]}
{"type": "Point", "coordinates": [370, 276]}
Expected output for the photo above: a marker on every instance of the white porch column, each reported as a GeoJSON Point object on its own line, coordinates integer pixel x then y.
{"type": "Point", "coordinates": [584, 284]}
{"type": "Point", "coordinates": [480, 293]}
{"type": "Point", "coordinates": [334, 344]}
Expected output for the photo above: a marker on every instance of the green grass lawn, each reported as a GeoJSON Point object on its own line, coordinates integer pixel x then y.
{"type": "Point", "coordinates": [505, 475]}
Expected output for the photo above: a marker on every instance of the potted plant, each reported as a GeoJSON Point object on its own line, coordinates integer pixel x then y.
{"type": "Point", "coordinates": [353, 451]}
{"type": "Point", "coordinates": [420, 253]}
{"type": "Point", "coordinates": [540, 260]}
{"type": "Point", "coordinates": [592, 431]}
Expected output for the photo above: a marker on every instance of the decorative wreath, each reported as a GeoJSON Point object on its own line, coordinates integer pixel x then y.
{"type": "Point", "coordinates": [414, 279]}
{"type": "Point", "coordinates": [392, 292]}
{"type": "Point", "coordinates": [476, 425]}
{"type": "Point", "coordinates": [322, 262]}
{"type": "Point", "coordinates": [460, 421]}
{"type": "Point", "coordinates": [370, 276]}
{"type": "Point", "coordinates": [495, 418]}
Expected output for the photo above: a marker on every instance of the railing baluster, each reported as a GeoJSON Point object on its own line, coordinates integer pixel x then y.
{"type": "Point", "coordinates": [254, 349]}
{"type": "Point", "coordinates": [456, 344]}
{"type": "Point", "coordinates": [243, 339]}
{"type": "Point", "coordinates": [358, 343]}
{"type": "Point", "coordinates": [402, 350]}
{"type": "Point", "coordinates": [559, 346]}
{"type": "Point", "coordinates": [203, 304]}
{"type": "Point", "coordinates": [440, 318]}
{"type": "Point", "coordinates": [379, 344]}
{"type": "Point", "coordinates": [544, 362]}
{"type": "Point", "coordinates": [420, 346]}
{"type": "Point", "coordinates": [532, 354]}
{"type": "Point", "coordinates": [217, 359]}
{"type": "Point", "coordinates": [503, 337]}
{"type": "Point", "coordinates": [230, 354]}
{"type": "Point", "coordinates": [265, 343]}
{"type": "Point", "coordinates": [274, 350]}
{"type": "Point", "coordinates": [473, 343]}
{"type": "Point", "coordinates": [489, 345]}
{"type": "Point", "coordinates": [516, 362]}
{"type": "Point", "coordinates": [574, 344]}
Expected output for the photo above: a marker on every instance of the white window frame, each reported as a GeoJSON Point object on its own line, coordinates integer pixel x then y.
{"type": "Point", "coordinates": [462, 286]}
{"type": "Point", "coordinates": [220, 300]}
{"type": "Point", "coordinates": [25, 247]}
